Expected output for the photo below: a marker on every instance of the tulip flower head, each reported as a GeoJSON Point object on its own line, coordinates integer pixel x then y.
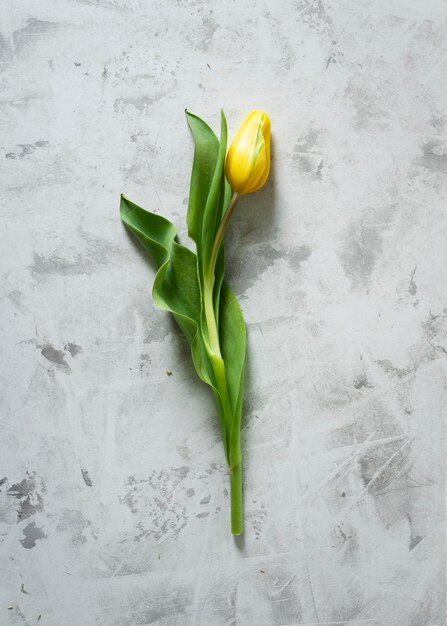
{"type": "Point", "coordinates": [247, 164]}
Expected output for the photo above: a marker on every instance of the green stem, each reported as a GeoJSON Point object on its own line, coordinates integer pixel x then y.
{"type": "Point", "coordinates": [232, 451]}
{"type": "Point", "coordinates": [221, 232]}
{"type": "Point", "coordinates": [236, 499]}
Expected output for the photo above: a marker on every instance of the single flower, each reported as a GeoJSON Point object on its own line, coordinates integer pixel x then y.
{"type": "Point", "coordinates": [191, 285]}
{"type": "Point", "coordinates": [247, 164]}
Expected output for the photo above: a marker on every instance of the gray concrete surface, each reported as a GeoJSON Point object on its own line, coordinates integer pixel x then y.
{"type": "Point", "coordinates": [114, 493]}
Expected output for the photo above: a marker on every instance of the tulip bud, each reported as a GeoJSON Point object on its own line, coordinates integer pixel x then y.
{"type": "Point", "coordinates": [248, 159]}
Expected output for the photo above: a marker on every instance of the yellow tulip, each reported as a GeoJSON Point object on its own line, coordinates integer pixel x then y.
{"type": "Point", "coordinates": [247, 164]}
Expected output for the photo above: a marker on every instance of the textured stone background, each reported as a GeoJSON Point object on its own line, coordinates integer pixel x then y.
{"type": "Point", "coordinates": [114, 501]}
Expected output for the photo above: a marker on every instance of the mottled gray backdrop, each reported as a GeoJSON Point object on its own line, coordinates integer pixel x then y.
{"type": "Point", "coordinates": [114, 492]}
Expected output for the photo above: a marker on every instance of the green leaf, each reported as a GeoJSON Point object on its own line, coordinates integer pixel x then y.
{"type": "Point", "coordinates": [210, 192]}
{"type": "Point", "coordinates": [214, 207]}
{"type": "Point", "coordinates": [206, 150]}
{"type": "Point", "coordinates": [176, 289]}
{"type": "Point", "coordinates": [233, 345]}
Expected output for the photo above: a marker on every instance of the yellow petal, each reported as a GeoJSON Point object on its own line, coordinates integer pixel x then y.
{"type": "Point", "coordinates": [248, 159]}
